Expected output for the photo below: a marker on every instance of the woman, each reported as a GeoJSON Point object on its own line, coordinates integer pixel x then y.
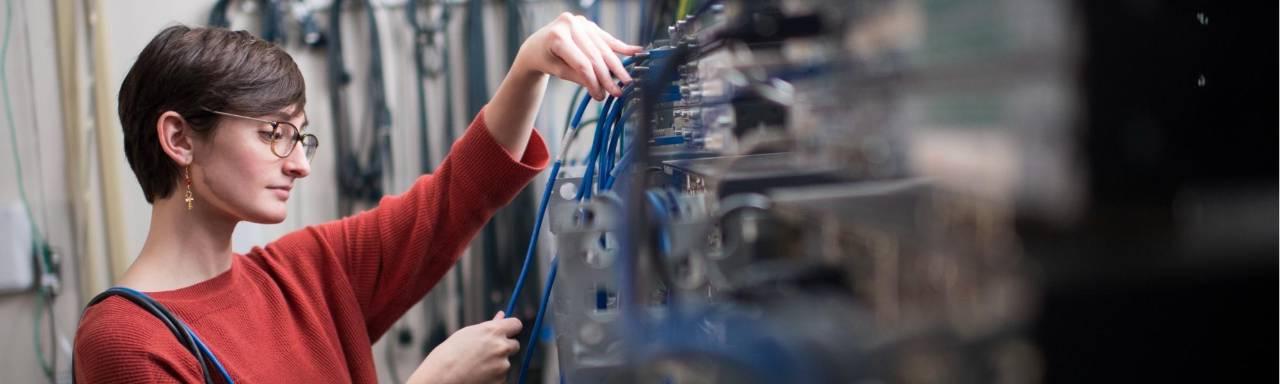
{"type": "Point", "coordinates": [215, 131]}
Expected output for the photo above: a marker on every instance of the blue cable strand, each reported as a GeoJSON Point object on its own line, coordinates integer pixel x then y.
{"type": "Point", "coordinates": [577, 115]}
{"type": "Point", "coordinates": [542, 211]}
{"type": "Point", "coordinates": [537, 321]}
{"type": "Point", "coordinates": [622, 166]}
{"type": "Point", "coordinates": [600, 160]}
{"type": "Point", "coordinates": [205, 350]}
{"type": "Point", "coordinates": [602, 137]}
{"type": "Point", "coordinates": [533, 238]}
{"type": "Point", "coordinates": [584, 190]}
{"type": "Point", "coordinates": [663, 214]}
{"type": "Point", "coordinates": [611, 152]}
{"type": "Point", "coordinates": [551, 276]}
{"type": "Point", "coordinates": [614, 169]}
{"type": "Point", "coordinates": [603, 162]}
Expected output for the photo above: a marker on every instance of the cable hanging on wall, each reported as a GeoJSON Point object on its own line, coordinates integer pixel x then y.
{"type": "Point", "coordinates": [271, 19]}
{"type": "Point", "coordinates": [358, 182]}
{"type": "Point", "coordinates": [424, 43]}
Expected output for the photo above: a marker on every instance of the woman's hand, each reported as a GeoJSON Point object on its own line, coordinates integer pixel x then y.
{"type": "Point", "coordinates": [571, 48]}
{"type": "Point", "coordinates": [475, 354]}
{"type": "Point", "coordinates": [576, 49]}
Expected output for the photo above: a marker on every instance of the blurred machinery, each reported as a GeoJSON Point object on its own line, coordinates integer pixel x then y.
{"type": "Point", "coordinates": [917, 192]}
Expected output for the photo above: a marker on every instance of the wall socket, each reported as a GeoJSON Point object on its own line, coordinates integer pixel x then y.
{"type": "Point", "coordinates": [17, 256]}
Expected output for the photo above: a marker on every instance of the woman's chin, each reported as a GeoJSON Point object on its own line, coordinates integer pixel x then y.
{"type": "Point", "coordinates": [268, 217]}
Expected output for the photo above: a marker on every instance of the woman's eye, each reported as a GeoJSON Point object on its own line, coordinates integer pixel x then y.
{"type": "Point", "coordinates": [267, 135]}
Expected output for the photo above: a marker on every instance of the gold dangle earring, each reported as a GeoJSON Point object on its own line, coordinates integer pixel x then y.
{"type": "Point", "coordinates": [189, 199]}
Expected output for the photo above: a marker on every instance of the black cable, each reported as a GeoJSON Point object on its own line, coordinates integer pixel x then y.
{"type": "Point", "coordinates": [356, 182]}
{"type": "Point", "coordinates": [477, 81]}
{"type": "Point", "coordinates": [515, 28]}
{"type": "Point", "coordinates": [272, 26]}
{"type": "Point", "coordinates": [182, 333]}
{"type": "Point", "coordinates": [218, 16]}
{"type": "Point", "coordinates": [511, 225]}
{"type": "Point", "coordinates": [165, 317]}
{"type": "Point", "coordinates": [312, 35]}
{"type": "Point", "coordinates": [446, 67]}
{"type": "Point", "coordinates": [380, 159]}
{"type": "Point", "coordinates": [655, 19]}
{"type": "Point", "coordinates": [477, 95]}
{"type": "Point", "coordinates": [662, 73]}
{"type": "Point", "coordinates": [53, 337]}
{"type": "Point", "coordinates": [338, 78]}
{"type": "Point", "coordinates": [272, 19]}
{"type": "Point", "coordinates": [422, 36]}
{"type": "Point", "coordinates": [425, 36]}
{"type": "Point", "coordinates": [393, 369]}
{"type": "Point", "coordinates": [520, 221]}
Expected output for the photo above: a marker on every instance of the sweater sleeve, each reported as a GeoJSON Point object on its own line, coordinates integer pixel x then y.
{"type": "Point", "coordinates": [393, 254]}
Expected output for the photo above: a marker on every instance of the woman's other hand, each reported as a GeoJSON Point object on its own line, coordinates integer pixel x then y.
{"type": "Point", "coordinates": [475, 354]}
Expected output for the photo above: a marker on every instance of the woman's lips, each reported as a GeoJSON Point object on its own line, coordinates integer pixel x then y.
{"type": "Point", "coordinates": [281, 192]}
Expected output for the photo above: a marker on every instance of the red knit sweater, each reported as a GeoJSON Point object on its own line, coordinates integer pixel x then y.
{"type": "Point", "coordinates": [307, 307]}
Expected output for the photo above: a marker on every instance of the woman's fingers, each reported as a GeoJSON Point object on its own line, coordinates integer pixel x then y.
{"type": "Point", "coordinates": [586, 54]}
{"type": "Point", "coordinates": [512, 347]}
{"type": "Point", "coordinates": [578, 67]}
{"type": "Point", "coordinates": [581, 35]}
{"type": "Point", "coordinates": [619, 46]}
{"type": "Point", "coordinates": [509, 327]}
{"type": "Point", "coordinates": [610, 59]}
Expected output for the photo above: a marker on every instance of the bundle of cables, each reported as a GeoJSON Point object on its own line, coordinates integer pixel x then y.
{"type": "Point", "coordinates": [359, 181]}
{"type": "Point", "coordinates": [600, 158]}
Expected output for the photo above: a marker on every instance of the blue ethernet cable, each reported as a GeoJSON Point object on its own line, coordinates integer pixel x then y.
{"type": "Point", "coordinates": [616, 170]}
{"type": "Point", "coordinates": [546, 195]}
{"type": "Point", "coordinates": [663, 214]}
{"type": "Point", "coordinates": [584, 190]}
{"type": "Point", "coordinates": [542, 209]}
{"type": "Point", "coordinates": [205, 350]}
{"type": "Point", "coordinates": [611, 152]}
{"type": "Point", "coordinates": [537, 321]}
{"type": "Point", "coordinates": [542, 212]}
{"type": "Point", "coordinates": [601, 161]}
{"type": "Point", "coordinates": [533, 239]}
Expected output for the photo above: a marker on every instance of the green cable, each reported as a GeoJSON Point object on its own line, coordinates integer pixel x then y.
{"type": "Point", "coordinates": [40, 304]}
{"type": "Point", "coordinates": [13, 130]}
{"type": "Point", "coordinates": [22, 190]}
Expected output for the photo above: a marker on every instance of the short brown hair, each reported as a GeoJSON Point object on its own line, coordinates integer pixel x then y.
{"type": "Point", "coordinates": [188, 70]}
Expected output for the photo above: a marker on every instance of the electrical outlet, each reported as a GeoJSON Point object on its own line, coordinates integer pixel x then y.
{"type": "Point", "coordinates": [17, 268]}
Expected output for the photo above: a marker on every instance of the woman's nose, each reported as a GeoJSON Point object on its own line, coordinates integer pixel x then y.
{"type": "Point", "coordinates": [296, 164]}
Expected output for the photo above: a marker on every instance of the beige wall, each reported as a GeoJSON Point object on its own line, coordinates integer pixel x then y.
{"type": "Point", "coordinates": [37, 118]}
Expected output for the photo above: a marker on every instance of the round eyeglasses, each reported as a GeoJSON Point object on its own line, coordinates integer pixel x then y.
{"type": "Point", "coordinates": [284, 136]}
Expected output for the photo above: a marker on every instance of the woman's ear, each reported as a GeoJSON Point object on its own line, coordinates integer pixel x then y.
{"type": "Point", "coordinates": [175, 137]}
